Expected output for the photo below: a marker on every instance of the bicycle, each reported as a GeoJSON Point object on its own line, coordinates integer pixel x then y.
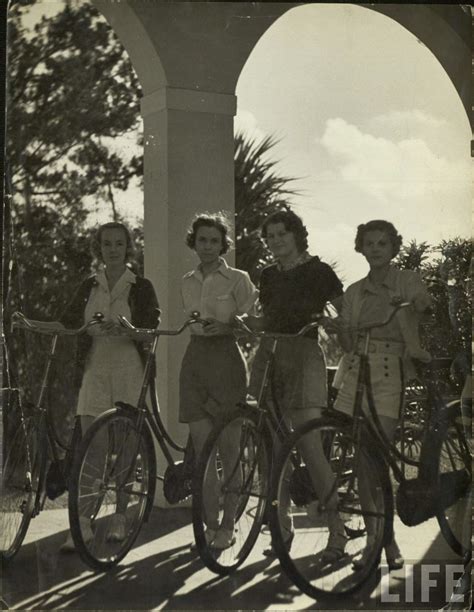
{"type": "Point", "coordinates": [115, 472]}
{"type": "Point", "coordinates": [244, 490]}
{"type": "Point", "coordinates": [32, 466]}
{"type": "Point", "coordinates": [359, 446]}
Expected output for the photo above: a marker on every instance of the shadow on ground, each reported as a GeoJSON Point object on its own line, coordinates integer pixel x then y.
{"type": "Point", "coordinates": [161, 572]}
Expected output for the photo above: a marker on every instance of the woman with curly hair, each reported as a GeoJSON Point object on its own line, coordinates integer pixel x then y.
{"type": "Point", "coordinates": [391, 346]}
{"type": "Point", "coordinates": [213, 376]}
{"type": "Point", "coordinates": [293, 290]}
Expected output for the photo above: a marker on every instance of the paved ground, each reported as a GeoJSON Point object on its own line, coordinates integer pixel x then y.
{"type": "Point", "coordinates": [161, 573]}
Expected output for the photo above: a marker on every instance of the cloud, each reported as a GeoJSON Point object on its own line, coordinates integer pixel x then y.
{"type": "Point", "coordinates": [413, 119]}
{"type": "Point", "coordinates": [246, 123]}
{"type": "Point", "coordinates": [392, 171]}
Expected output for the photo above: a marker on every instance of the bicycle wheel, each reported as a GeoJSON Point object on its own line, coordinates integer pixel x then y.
{"type": "Point", "coordinates": [20, 477]}
{"type": "Point", "coordinates": [455, 484]}
{"type": "Point", "coordinates": [295, 502]}
{"type": "Point", "coordinates": [112, 488]}
{"type": "Point", "coordinates": [230, 489]}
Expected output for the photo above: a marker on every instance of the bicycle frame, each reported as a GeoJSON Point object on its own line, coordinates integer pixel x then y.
{"type": "Point", "coordinates": [48, 447]}
{"type": "Point", "coordinates": [142, 412]}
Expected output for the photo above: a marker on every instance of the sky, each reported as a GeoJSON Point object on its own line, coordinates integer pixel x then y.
{"type": "Point", "coordinates": [367, 120]}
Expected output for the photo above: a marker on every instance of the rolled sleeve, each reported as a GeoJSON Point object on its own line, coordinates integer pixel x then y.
{"type": "Point", "coordinates": [245, 295]}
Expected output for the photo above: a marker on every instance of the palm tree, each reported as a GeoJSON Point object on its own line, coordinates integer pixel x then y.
{"type": "Point", "coordinates": [259, 192]}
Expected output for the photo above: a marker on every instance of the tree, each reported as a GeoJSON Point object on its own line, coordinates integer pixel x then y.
{"type": "Point", "coordinates": [446, 269]}
{"type": "Point", "coordinates": [71, 93]}
{"type": "Point", "coordinates": [259, 192]}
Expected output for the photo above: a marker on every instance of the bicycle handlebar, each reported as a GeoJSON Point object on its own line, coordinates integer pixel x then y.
{"type": "Point", "coordinates": [195, 318]}
{"type": "Point", "coordinates": [21, 322]}
{"type": "Point", "coordinates": [263, 334]}
{"type": "Point", "coordinates": [398, 305]}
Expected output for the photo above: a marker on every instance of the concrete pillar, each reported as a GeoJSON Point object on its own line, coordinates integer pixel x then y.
{"type": "Point", "coordinates": [188, 168]}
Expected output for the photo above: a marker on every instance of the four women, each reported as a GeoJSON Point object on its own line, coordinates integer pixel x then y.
{"type": "Point", "coordinates": [292, 291]}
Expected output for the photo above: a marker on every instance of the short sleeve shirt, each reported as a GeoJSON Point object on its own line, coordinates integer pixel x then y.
{"type": "Point", "coordinates": [290, 298]}
{"type": "Point", "coordinates": [220, 295]}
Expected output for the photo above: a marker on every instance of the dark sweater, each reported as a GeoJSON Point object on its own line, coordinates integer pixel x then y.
{"type": "Point", "coordinates": [289, 298]}
{"type": "Point", "coordinates": [144, 313]}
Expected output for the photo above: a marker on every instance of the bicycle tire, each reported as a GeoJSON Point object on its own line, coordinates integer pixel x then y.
{"type": "Point", "coordinates": [20, 481]}
{"type": "Point", "coordinates": [302, 559]}
{"type": "Point", "coordinates": [253, 463]}
{"type": "Point", "coordinates": [107, 473]}
{"type": "Point", "coordinates": [454, 484]}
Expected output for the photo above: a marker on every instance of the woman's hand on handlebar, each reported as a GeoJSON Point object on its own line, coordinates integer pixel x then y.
{"type": "Point", "coordinates": [216, 328]}
{"type": "Point", "coordinates": [332, 325]}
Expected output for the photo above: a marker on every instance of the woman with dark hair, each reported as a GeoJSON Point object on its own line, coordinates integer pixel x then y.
{"type": "Point", "coordinates": [213, 376]}
{"type": "Point", "coordinates": [109, 363]}
{"type": "Point", "coordinates": [391, 346]}
{"type": "Point", "coordinates": [293, 290]}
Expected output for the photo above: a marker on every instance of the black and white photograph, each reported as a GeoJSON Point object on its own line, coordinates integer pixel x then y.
{"type": "Point", "coordinates": [236, 306]}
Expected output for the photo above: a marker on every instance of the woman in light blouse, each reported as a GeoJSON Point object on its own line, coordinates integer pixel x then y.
{"type": "Point", "coordinates": [213, 377]}
{"type": "Point", "coordinates": [109, 359]}
{"type": "Point", "coordinates": [391, 347]}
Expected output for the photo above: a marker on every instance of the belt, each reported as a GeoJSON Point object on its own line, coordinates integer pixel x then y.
{"type": "Point", "coordinates": [390, 347]}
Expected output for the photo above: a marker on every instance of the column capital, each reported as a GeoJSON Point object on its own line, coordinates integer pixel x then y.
{"type": "Point", "coordinates": [188, 100]}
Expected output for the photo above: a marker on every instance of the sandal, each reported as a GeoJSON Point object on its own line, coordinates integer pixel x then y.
{"type": "Point", "coordinates": [335, 548]}
{"type": "Point", "coordinates": [209, 534]}
{"type": "Point", "coordinates": [224, 538]}
{"type": "Point", "coordinates": [270, 551]}
{"type": "Point", "coordinates": [365, 558]}
{"type": "Point", "coordinates": [395, 560]}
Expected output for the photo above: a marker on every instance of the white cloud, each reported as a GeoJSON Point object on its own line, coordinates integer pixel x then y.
{"type": "Point", "coordinates": [412, 118]}
{"type": "Point", "coordinates": [397, 172]}
{"type": "Point", "coordinates": [246, 123]}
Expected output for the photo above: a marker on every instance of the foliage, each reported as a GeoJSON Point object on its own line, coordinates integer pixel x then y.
{"type": "Point", "coordinates": [446, 269]}
{"type": "Point", "coordinates": [259, 192]}
{"type": "Point", "coordinates": [71, 92]}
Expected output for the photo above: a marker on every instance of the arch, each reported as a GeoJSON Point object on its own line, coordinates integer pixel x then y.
{"type": "Point", "coordinates": [136, 40]}
{"type": "Point", "coordinates": [446, 31]}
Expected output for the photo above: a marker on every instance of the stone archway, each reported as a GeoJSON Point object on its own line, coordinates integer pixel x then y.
{"type": "Point", "coordinates": [188, 57]}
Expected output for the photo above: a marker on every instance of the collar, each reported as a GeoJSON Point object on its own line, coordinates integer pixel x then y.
{"type": "Point", "coordinates": [127, 277]}
{"type": "Point", "coordinates": [223, 269]}
{"type": "Point", "coordinates": [389, 282]}
{"type": "Point", "coordinates": [301, 259]}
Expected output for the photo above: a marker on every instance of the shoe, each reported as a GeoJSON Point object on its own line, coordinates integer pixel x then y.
{"type": "Point", "coordinates": [364, 560]}
{"type": "Point", "coordinates": [395, 560]}
{"type": "Point", "coordinates": [223, 539]}
{"type": "Point", "coordinates": [270, 551]}
{"type": "Point", "coordinates": [117, 530]}
{"type": "Point", "coordinates": [335, 548]}
{"type": "Point", "coordinates": [87, 535]}
{"type": "Point", "coordinates": [209, 534]}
